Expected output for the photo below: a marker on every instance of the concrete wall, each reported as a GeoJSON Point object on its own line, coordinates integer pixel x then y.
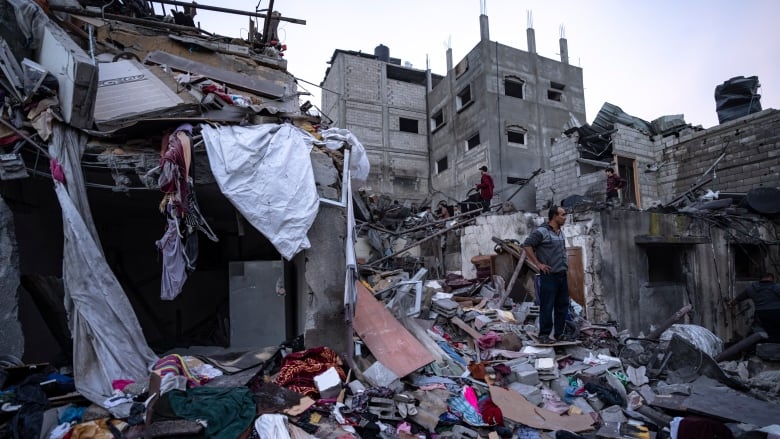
{"type": "Point", "coordinates": [752, 155]}
{"type": "Point", "coordinates": [321, 296]}
{"type": "Point", "coordinates": [624, 282]}
{"type": "Point", "coordinates": [365, 101]}
{"type": "Point", "coordinates": [10, 328]}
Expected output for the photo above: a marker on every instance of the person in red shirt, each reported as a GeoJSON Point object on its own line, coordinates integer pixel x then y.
{"type": "Point", "coordinates": [614, 184]}
{"type": "Point", "coordinates": [485, 187]}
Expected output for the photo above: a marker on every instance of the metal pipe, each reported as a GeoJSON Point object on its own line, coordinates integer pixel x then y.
{"type": "Point", "coordinates": [741, 345]}
{"type": "Point", "coordinates": [228, 11]}
{"type": "Point", "coordinates": [669, 322]}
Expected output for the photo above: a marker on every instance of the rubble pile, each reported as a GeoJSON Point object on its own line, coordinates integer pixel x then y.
{"type": "Point", "coordinates": [449, 357]}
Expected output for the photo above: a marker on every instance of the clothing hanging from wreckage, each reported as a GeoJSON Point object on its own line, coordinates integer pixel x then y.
{"type": "Point", "coordinates": [179, 244]}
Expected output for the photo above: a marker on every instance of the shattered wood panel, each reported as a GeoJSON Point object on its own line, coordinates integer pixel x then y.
{"type": "Point", "coordinates": [385, 337]}
{"type": "Point", "coordinates": [576, 276]}
{"type": "Point", "coordinates": [237, 80]}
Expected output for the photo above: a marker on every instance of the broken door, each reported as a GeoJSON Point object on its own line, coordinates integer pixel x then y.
{"type": "Point", "coordinates": [576, 276]}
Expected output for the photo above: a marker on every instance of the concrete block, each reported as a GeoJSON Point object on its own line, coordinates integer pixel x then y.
{"type": "Point", "coordinates": [532, 393]}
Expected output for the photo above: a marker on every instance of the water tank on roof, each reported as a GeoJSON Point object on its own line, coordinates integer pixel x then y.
{"type": "Point", "coordinates": [382, 52]}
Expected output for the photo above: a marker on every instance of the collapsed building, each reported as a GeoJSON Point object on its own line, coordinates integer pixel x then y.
{"type": "Point", "coordinates": [441, 313]}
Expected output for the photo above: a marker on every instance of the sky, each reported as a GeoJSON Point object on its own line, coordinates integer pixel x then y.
{"type": "Point", "coordinates": [651, 58]}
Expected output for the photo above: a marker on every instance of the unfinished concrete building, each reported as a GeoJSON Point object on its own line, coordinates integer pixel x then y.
{"type": "Point", "coordinates": [383, 104]}
{"type": "Point", "coordinates": [504, 108]}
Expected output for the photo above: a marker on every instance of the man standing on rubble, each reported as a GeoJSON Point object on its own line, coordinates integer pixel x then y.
{"type": "Point", "coordinates": [485, 187]}
{"type": "Point", "coordinates": [546, 248]}
{"type": "Point", "coordinates": [765, 295]}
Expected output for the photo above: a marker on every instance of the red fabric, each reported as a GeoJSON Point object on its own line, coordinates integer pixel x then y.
{"type": "Point", "coordinates": [299, 369]}
{"type": "Point", "coordinates": [56, 170]}
{"type": "Point", "coordinates": [491, 413]}
{"type": "Point", "coordinates": [486, 187]}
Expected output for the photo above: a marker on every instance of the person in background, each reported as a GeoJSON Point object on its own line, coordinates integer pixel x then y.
{"type": "Point", "coordinates": [546, 248]}
{"type": "Point", "coordinates": [485, 187]}
{"type": "Point", "coordinates": [614, 184]}
{"type": "Point", "coordinates": [442, 211]}
{"type": "Point", "coordinates": [765, 295]}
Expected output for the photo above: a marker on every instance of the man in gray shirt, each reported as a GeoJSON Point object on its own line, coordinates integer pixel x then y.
{"type": "Point", "coordinates": [546, 248]}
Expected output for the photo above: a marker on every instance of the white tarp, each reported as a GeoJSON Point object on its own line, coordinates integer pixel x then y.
{"type": "Point", "coordinates": [266, 172]}
{"type": "Point", "coordinates": [108, 343]}
{"type": "Point", "coordinates": [359, 166]}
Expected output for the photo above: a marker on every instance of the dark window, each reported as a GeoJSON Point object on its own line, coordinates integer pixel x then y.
{"type": "Point", "coordinates": [464, 97]}
{"type": "Point", "coordinates": [552, 141]}
{"type": "Point", "coordinates": [472, 142]}
{"type": "Point", "coordinates": [515, 137]}
{"type": "Point", "coordinates": [437, 119]}
{"type": "Point", "coordinates": [748, 261]}
{"type": "Point", "coordinates": [555, 93]}
{"type": "Point", "coordinates": [513, 87]}
{"type": "Point", "coordinates": [441, 165]}
{"type": "Point", "coordinates": [408, 125]}
{"type": "Point", "coordinates": [664, 263]}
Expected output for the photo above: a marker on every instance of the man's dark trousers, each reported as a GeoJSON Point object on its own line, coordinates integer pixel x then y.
{"type": "Point", "coordinates": [553, 303]}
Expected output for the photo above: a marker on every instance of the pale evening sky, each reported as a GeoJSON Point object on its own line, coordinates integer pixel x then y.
{"type": "Point", "coordinates": [651, 58]}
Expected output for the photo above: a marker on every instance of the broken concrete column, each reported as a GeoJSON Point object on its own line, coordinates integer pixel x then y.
{"type": "Point", "coordinates": [484, 29]}
{"type": "Point", "coordinates": [10, 327]}
{"type": "Point", "coordinates": [531, 37]}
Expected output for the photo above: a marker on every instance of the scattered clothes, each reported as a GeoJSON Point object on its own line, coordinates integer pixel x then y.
{"type": "Point", "coordinates": [175, 364]}
{"type": "Point", "coordinates": [99, 429]}
{"type": "Point", "coordinates": [228, 412]}
{"type": "Point", "coordinates": [299, 369]}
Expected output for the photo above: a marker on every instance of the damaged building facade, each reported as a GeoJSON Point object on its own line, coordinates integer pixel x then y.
{"type": "Point", "coordinates": [667, 247]}
{"type": "Point", "coordinates": [99, 100]}
{"type": "Point", "coordinates": [383, 103]}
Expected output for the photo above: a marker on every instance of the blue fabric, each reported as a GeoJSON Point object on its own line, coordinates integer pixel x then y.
{"type": "Point", "coordinates": [72, 413]}
{"type": "Point", "coordinates": [451, 352]}
{"type": "Point", "coordinates": [466, 411]}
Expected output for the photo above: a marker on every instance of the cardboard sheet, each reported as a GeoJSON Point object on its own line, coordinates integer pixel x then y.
{"type": "Point", "coordinates": [388, 340]}
{"type": "Point", "coordinates": [515, 407]}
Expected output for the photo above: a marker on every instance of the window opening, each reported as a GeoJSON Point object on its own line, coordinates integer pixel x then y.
{"type": "Point", "coordinates": [472, 142]}
{"type": "Point", "coordinates": [748, 261]}
{"type": "Point", "coordinates": [514, 87]}
{"type": "Point", "coordinates": [464, 97]}
{"type": "Point", "coordinates": [408, 125]}
{"type": "Point", "coordinates": [441, 165]}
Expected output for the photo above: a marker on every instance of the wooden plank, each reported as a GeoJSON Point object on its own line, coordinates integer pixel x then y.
{"type": "Point", "coordinates": [464, 326]}
{"type": "Point", "coordinates": [385, 337]}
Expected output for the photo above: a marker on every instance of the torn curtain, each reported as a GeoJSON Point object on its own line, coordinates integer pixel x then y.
{"type": "Point", "coordinates": [108, 343]}
{"type": "Point", "coordinates": [266, 172]}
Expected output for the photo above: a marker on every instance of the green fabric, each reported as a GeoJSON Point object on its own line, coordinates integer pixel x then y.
{"type": "Point", "coordinates": [228, 411]}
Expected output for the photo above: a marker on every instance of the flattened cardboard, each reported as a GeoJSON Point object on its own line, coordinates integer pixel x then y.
{"type": "Point", "coordinates": [515, 407]}
{"type": "Point", "coordinates": [387, 339]}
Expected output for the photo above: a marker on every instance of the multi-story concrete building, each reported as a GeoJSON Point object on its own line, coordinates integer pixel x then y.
{"type": "Point", "coordinates": [383, 104]}
{"type": "Point", "coordinates": [501, 107]}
